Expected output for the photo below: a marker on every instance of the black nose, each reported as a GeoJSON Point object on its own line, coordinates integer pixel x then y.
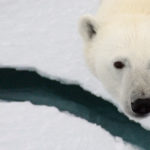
{"type": "Point", "coordinates": [141, 106]}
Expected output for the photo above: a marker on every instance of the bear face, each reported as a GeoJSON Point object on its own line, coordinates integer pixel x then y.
{"type": "Point", "coordinates": [117, 51]}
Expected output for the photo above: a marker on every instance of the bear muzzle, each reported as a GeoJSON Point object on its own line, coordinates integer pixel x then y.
{"type": "Point", "coordinates": [141, 107]}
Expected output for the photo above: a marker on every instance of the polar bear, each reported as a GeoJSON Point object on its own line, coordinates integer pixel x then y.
{"type": "Point", "coordinates": [117, 51]}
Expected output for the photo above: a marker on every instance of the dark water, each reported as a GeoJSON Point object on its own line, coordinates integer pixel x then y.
{"type": "Point", "coordinates": [24, 85]}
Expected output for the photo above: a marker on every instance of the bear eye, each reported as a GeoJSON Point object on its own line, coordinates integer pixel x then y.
{"type": "Point", "coordinates": [119, 65]}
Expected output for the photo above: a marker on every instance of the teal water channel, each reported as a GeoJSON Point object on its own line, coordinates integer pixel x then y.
{"type": "Point", "coordinates": [25, 85]}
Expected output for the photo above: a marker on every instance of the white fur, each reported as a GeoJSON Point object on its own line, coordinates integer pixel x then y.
{"type": "Point", "coordinates": [123, 33]}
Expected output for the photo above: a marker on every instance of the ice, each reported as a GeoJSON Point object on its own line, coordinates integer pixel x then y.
{"type": "Point", "coordinates": [24, 126]}
{"type": "Point", "coordinates": [43, 36]}
{"type": "Point", "coordinates": [36, 35]}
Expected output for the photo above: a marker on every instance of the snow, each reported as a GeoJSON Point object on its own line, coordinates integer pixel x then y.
{"type": "Point", "coordinates": [38, 36]}
{"type": "Point", "coordinates": [43, 36]}
{"type": "Point", "coordinates": [24, 126]}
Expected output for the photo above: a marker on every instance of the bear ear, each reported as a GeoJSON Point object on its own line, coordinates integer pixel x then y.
{"type": "Point", "coordinates": [88, 27]}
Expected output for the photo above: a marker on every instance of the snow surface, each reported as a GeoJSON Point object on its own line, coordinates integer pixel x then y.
{"type": "Point", "coordinates": [24, 126]}
{"type": "Point", "coordinates": [43, 35]}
